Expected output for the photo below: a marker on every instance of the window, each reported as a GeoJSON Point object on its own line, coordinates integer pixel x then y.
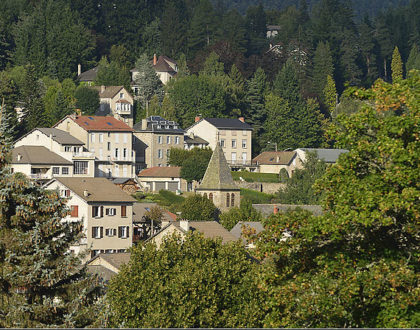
{"type": "Point", "coordinates": [110, 232]}
{"type": "Point", "coordinates": [67, 149]}
{"type": "Point", "coordinates": [101, 154]}
{"type": "Point", "coordinates": [65, 193]}
{"type": "Point", "coordinates": [111, 211]}
{"type": "Point", "coordinates": [80, 167]}
{"type": "Point", "coordinates": [125, 137]}
{"type": "Point", "coordinates": [168, 140]}
{"type": "Point", "coordinates": [116, 152]}
{"type": "Point", "coordinates": [92, 137]}
{"type": "Point", "coordinates": [101, 137]}
{"type": "Point", "coordinates": [227, 200]}
{"type": "Point", "coordinates": [125, 153]}
{"type": "Point", "coordinates": [176, 139]}
{"type": "Point", "coordinates": [74, 211]}
{"type": "Point", "coordinates": [117, 137]}
{"type": "Point", "coordinates": [234, 143]}
{"type": "Point", "coordinates": [123, 210]}
{"type": "Point", "coordinates": [234, 133]}
{"type": "Point", "coordinates": [76, 150]}
{"type": "Point", "coordinates": [117, 170]}
{"type": "Point", "coordinates": [65, 170]}
{"type": "Point", "coordinates": [160, 139]}
{"type": "Point", "coordinates": [232, 199]}
{"type": "Point", "coordinates": [109, 134]}
{"type": "Point", "coordinates": [56, 170]}
{"type": "Point", "coordinates": [211, 197]}
{"type": "Point", "coordinates": [97, 232]}
{"type": "Point", "coordinates": [97, 211]}
{"type": "Point", "coordinates": [124, 171]}
{"type": "Point", "coordinates": [244, 144]}
{"type": "Point", "coordinates": [123, 232]}
{"type": "Point", "coordinates": [168, 152]}
{"type": "Point", "coordinates": [109, 146]}
{"type": "Point", "coordinates": [160, 153]}
{"type": "Point", "coordinates": [121, 95]}
{"type": "Point", "coordinates": [222, 132]}
{"type": "Point", "coordinates": [222, 143]}
{"type": "Point", "coordinates": [109, 251]}
{"type": "Point", "coordinates": [37, 137]}
{"type": "Point", "coordinates": [244, 133]}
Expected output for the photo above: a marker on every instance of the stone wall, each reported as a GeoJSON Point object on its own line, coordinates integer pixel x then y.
{"type": "Point", "coordinates": [265, 187]}
{"type": "Point", "coordinates": [268, 209]}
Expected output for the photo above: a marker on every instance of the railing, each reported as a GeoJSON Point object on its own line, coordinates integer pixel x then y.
{"type": "Point", "coordinates": [241, 162]}
{"type": "Point", "coordinates": [125, 111]}
{"type": "Point", "coordinates": [83, 154]}
{"type": "Point", "coordinates": [39, 176]}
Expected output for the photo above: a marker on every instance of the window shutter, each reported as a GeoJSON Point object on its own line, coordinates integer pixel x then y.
{"type": "Point", "coordinates": [114, 232]}
{"type": "Point", "coordinates": [74, 211]}
{"type": "Point", "coordinates": [128, 231]}
{"type": "Point", "coordinates": [93, 232]}
{"type": "Point", "coordinates": [102, 211]}
{"type": "Point", "coordinates": [102, 232]}
{"type": "Point", "coordinates": [67, 193]}
{"type": "Point", "coordinates": [119, 232]}
{"type": "Point", "coordinates": [123, 210]}
{"type": "Point", "coordinates": [93, 211]}
{"type": "Point", "coordinates": [106, 211]}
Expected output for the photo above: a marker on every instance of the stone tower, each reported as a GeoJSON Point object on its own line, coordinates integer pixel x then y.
{"type": "Point", "coordinates": [217, 184]}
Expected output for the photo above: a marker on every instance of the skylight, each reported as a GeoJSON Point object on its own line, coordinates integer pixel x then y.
{"type": "Point", "coordinates": [109, 123]}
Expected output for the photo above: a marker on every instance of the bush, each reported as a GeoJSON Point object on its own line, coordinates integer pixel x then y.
{"type": "Point", "coordinates": [255, 176]}
{"type": "Point", "coordinates": [256, 197]}
{"type": "Point", "coordinates": [243, 213]}
{"type": "Point", "coordinates": [283, 175]}
{"type": "Point", "coordinates": [87, 100]}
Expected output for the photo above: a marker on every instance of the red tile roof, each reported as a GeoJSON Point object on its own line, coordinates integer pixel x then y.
{"type": "Point", "coordinates": [161, 172]}
{"type": "Point", "coordinates": [101, 123]}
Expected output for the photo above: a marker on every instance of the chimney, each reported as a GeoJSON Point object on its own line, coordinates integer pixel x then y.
{"type": "Point", "coordinates": [242, 119]}
{"type": "Point", "coordinates": [86, 193]}
{"type": "Point", "coordinates": [79, 69]}
{"type": "Point", "coordinates": [78, 112]}
{"type": "Point", "coordinates": [278, 159]}
{"type": "Point", "coordinates": [103, 88]}
{"type": "Point", "coordinates": [154, 59]}
{"type": "Point", "coordinates": [276, 210]}
{"type": "Point", "coordinates": [184, 224]}
{"type": "Point", "coordinates": [143, 124]}
{"type": "Point", "coordinates": [191, 135]}
{"type": "Point", "coordinates": [197, 118]}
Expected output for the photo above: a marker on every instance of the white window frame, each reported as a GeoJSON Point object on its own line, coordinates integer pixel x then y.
{"type": "Point", "coordinates": [160, 153]}
{"type": "Point", "coordinates": [244, 144]}
{"type": "Point", "coordinates": [125, 137]}
{"type": "Point", "coordinates": [222, 143]}
{"type": "Point", "coordinates": [176, 139]}
{"type": "Point", "coordinates": [160, 139]}
{"type": "Point", "coordinates": [67, 148]}
{"type": "Point", "coordinates": [65, 170]}
{"type": "Point", "coordinates": [96, 232]}
{"type": "Point", "coordinates": [168, 140]}
{"type": "Point", "coordinates": [101, 137]}
{"type": "Point", "coordinates": [92, 137]}
{"type": "Point", "coordinates": [55, 170]}
{"type": "Point", "coordinates": [233, 143]}
{"type": "Point", "coordinates": [117, 137]}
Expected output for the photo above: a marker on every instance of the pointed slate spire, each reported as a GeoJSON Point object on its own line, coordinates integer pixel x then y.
{"type": "Point", "coordinates": [218, 176]}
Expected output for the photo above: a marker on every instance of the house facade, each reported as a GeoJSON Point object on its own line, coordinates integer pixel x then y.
{"type": "Point", "coordinates": [116, 101]}
{"type": "Point", "coordinates": [157, 178]}
{"type": "Point", "coordinates": [153, 139]}
{"type": "Point", "coordinates": [109, 139]}
{"type": "Point", "coordinates": [105, 211]}
{"type": "Point", "coordinates": [234, 136]}
{"type": "Point", "coordinates": [275, 161]}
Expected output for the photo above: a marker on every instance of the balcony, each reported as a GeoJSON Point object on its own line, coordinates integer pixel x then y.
{"type": "Point", "coordinates": [39, 176]}
{"type": "Point", "coordinates": [83, 154]}
{"type": "Point", "coordinates": [238, 163]}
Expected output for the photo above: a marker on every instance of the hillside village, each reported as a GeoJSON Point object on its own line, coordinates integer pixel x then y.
{"type": "Point", "coordinates": [178, 163]}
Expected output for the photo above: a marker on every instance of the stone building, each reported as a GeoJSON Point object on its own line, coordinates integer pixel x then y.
{"type": "Point", "coordinates": [218, 184]}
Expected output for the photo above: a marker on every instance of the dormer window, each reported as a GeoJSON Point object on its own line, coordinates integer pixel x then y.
{"type": "Point", "coordinates": [121, 95]}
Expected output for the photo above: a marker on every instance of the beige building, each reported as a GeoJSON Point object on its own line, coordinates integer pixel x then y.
{"type": "Point", "coordinates": [218, 185]}
{"type": "Point", "coordinates": [64, 145]}
{"type": "Point", "coordinates": [116, 101]}
{"type": "Point", "coordinates": [109, 139]}
{"type": "Point", "coordinates": [157, 178]}
{"type": "Point", "coordinates": [39, 163]}
{"type": "Point", "coordinates": [274, 161]}
{"type": "Point", "coordinates": [154, 137]}
{"type": "Point", "coordinates": [105, 211]}
{"type": "Point", "coordinates": [234, 136]}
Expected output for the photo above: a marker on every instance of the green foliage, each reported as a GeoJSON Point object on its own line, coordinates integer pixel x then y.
{"type": "Point", "coordinates": [173, 28]}
{"type": "Point", "coordinates": [256, 197]}
{"type": "Point", "coordinates": [283, 175]}
{"type": "Point", "coordinates": [396, 66]}
{"type": "Point", "coordinates": [193, 162]}
{"type": "Point", "coordinates": [213, 66]}
{"type": "Point", "coordinates": [323, 67]}
{"type": "Point", "coordinates": [151, 38]}
{"type": "Point", "coordinates": [113, 74]}
{"type": "Point", "coordinates": [87, 100]}
{"type": "Point", "coordinates": [43, 284]}
{"type": "Point", "coordinates": [198, 208]}
{"type": "Point", "coordinates": [330, 94]}
{"type": "Point", "coordinates": [205, 283]}
{"type": "Point", "coordinates": [256, 90]}
{"type": "Point", "coordinates": [243, 213]}
{"type": "Point", "coordinates": [147, 80]}
{"type": "Point", "coordinates": [255, 176]}
{"type": "Point", "coordinates": [358, 263]}
{"type": "Point", "coordinates": [8, 101]}
{"type": "Point", "coordinates": [413, 61]}
{"type": "Point", "coordinates": [299, 188]}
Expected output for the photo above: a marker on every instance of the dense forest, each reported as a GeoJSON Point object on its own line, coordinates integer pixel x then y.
{"type": "Point", "coordinates": [227, 65]}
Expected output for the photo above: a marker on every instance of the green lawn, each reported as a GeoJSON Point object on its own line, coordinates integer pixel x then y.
{"type": "Point", "coordinates": [255, 177]}
{"type": "Point", "coordinates": [257, 197]}
{"type": "Point", "coordinates": [164, 198]}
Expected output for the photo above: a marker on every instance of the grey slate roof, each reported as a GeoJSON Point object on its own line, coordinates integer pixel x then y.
{"type": "Point", "coordinates": [60, 136]}
{"type": "Point", "coordinates": [237, 230]}
{"type": "Point", "coordinates": [268, 209]}
{"type": "Point", "coordinates": [158, 124]}
{"type": "Point", "coordinates": [195, 140]}
{"type": "Point", "coordinates": [228, 123]}
{"type": "Point", "coordinates": [37, 155]}
{"type": "Point", "coordinates": [89, 75]}
{"type": "Point", "coordinates": [327, 155]}
{"type": "Point", "coordinates": [103, 273]}
{"type": "Point", "coordinates": [275, 157]}
{"type": "Point", "coordinates": [99, 189]}
{"type": "Point", "coordinates": [218, 175]}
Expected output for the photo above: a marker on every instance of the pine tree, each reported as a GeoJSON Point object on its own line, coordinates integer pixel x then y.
{"type": "Point", "coordinates": [151, 38]}
{"type": "Point", "coordinates": [349, 67]}
{"type": "Point", "coordinates": [183, 69]}
{"type": "Point", "coordinates": [396, 65]}
{"type": "Point", "coordinates": [173, 28]}
{"type": "Point", "coordinates": [382, 37]}
{"type": "Point", "coordinates": [413, 61]}
{"type": "Point", "coordinates": [323, 66]}
{"type": "Point", "coordinates": [255, 97]}
{"type": "Point", "coordinates": [147, 80]}
{"type": "Point", "coordinates": [42, 283]}
{"type": "Point", "coordinates": [61, 108]}
{"type": "Point", "coordinates": [8, 100]}
{"type": "Point", "coordinates": [367, 47]}
{"type": "Point", "coordinates": [330, 95]}
{"type": "Point", "coordinates": [212, 66]}
{"type": "Point", "coordinates": [34, 112]}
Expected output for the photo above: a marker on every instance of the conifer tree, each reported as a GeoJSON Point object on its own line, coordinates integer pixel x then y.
{"type": "Point", "coordinates": [413, 61]}
{"type": "Point", "coordinates": [396, 65]}
{"type": "Point", "coordinates": [367, 47]}
{"type": "Point", "coordinates": [183, 69]}
{"type": "Point", "coordinates": [330, 94]}
{"type": "Point", "coordinates": [213, 66]}
{"type": "Point", "coordinates": [8, 99]}
{"type": "Point", "coordinates": [323, 66]}
{"type": "Point", "coordinates": [255, 98]}
{"type": "Point", "coordinates": [173, 28]}
{"type": "Point", "coordinates": [42, 284]}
